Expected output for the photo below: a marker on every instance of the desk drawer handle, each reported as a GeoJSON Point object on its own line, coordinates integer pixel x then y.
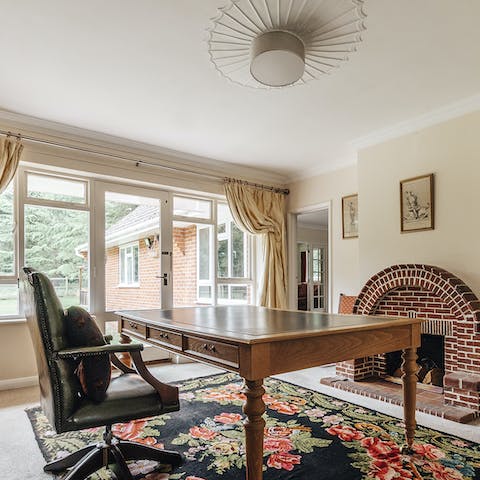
{"type": "Point", "coordinates": [164, 335]}
{"type": "Point", "coordinates": [209, 347]}
{"type": "Point", "coordinates": [133, 325]}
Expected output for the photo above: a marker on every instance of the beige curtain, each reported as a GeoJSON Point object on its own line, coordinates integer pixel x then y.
{"type": "Point", "coordinates": [262, 212]}
{"type": "Point", "coordinates": [10, 152]}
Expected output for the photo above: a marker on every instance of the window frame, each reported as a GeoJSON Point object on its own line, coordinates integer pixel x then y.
{"type": "Point", "coordinates": [12, 279]}
{"type": "Point", "coordinates": [93, 186]}
{"type": "Point", "coordinates": [21, 200]}
{"type": "Point", "coordinates": [124, 270]}
{"type": "Point", "coordinates": [215, 281]}
{"type": "Point", "coordinates": [248, 254]}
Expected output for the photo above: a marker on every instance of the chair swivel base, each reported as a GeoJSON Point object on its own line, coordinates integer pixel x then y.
{"type": "Point", "coordinates": [113, 454]}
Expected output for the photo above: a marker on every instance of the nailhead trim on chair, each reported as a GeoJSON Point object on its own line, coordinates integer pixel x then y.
{"type": "Point", "coordinates": [48, 345]}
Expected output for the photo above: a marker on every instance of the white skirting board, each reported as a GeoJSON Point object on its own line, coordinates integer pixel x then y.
{"type": "Point", "coordinates": [21, 382]}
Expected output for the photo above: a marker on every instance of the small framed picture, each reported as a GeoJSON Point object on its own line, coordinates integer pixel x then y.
{"type": "Point", "coordinates": [350, 216]}
{"type": "Point", "coordinates": [416, 204]}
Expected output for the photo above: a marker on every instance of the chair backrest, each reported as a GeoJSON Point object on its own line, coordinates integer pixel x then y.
{"type": "Point", "coordinates": [59, 386]}
{"type": "Point", "coordinates": [346, 303]}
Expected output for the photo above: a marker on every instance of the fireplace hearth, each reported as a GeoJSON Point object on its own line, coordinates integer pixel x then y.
{"type": "Point", "coordinates": [450, 353]}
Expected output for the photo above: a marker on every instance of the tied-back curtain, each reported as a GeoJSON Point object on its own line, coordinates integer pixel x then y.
{"type": "Point", "coordinates": [262, 212]}
{"type": "Point", "coordinates": [10, 152]}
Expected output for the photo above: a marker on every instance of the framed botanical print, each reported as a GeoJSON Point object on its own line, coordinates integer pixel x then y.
{"type": "Point", "coordinates": [416, 204]}
{"type": "Point", "coordinates": [350, 216]}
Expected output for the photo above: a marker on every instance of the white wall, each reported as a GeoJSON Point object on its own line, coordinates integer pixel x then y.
{"type": "Point", "coordinates": [450, 150]}
{"type": "Point", "coordinates": [344, 253]}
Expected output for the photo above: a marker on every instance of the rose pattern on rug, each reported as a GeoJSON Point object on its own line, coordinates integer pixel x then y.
{"type": "Point", "coordinates": [305, 432]}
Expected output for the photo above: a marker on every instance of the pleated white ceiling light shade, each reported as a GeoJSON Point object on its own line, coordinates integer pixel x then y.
{"type": "Point", "coordinates": [277, 43]}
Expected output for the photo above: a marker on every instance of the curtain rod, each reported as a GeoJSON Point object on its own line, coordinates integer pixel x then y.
{"type": "Point", "coordinates": [283, 191]}
{"type": "Point", "coordinates": [137, 163]}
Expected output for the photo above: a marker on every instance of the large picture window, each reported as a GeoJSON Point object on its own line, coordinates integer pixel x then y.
{"type": "Point", "coordinates": [46, 222]}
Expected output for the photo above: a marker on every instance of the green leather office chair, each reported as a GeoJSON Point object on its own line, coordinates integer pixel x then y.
{"type": "Point", "coordinates": [133, 394]}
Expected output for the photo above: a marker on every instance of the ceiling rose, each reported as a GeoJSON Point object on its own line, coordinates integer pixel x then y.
{"type": "Point", "coordinates": [276, 43]}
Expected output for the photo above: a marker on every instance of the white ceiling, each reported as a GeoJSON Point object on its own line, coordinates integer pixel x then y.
{"type": "Point", "coordinates": [141, 70]}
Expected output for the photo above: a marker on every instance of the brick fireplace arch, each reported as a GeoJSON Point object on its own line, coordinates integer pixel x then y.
{"type": "Point", "coordinates": [451, 310]}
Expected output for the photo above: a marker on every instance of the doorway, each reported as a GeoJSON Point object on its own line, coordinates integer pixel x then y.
{"type": "Point", "coordinates": [309, 259]}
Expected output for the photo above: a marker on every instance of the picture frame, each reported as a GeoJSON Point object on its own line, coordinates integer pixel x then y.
{"type": "Point", "coordinates": [350, 216]}
{"type": "Point", "coordinates": [417, 212]}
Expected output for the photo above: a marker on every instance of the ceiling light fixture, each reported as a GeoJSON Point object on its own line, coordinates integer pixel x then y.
{"type": "Point", "coordinates": [276, 43]}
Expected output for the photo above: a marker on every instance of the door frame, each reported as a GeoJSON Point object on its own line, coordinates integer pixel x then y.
{"type": "Point", "coordinates": [292, 252]}
{"type": "Point", "coordinates": [97, 242]}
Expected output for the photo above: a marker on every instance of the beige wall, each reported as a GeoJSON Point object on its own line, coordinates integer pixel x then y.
{"type": "Point", "coordinates": [17, 359]}
{"type": "Point", "coordinates": [451, 151]}
{"type": "Point", "coordinates": [312, 236]}
{"type": "Point", "coordinates": [332, 186]}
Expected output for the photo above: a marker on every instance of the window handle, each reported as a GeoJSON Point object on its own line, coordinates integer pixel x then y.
{"type": "Point", "coordinates": [165, 279]}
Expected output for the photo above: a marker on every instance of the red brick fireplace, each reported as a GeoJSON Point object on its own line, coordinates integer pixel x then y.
{"type": "Point", "coordinates": [452, 311]}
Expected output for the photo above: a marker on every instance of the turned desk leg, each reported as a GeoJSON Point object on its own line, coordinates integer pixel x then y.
{"type": "Point", "coordinates": [409, 367]}
{"type": "Point", "coordinates": [254, 426]}
{"type": "Point", "coordinates": [125, 357]}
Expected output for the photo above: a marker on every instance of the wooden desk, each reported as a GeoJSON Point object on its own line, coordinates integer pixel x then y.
{"type": "Point", "coordinates": [258, 342]}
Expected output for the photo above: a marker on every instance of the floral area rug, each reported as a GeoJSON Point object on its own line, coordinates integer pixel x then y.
{"type": "Point", "coordinates": [307, 436]}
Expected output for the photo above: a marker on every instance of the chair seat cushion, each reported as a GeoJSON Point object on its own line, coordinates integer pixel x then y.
{"type": "Point", "coordinates": [93, 372]}
{"type": "Point", "coordinates": [128, 397]}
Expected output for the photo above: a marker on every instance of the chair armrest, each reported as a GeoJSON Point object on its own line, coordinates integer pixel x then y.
{"type": "Point", "coordinates": [98, 350]}
{"type": "Point", "coordinates": [168, 393]}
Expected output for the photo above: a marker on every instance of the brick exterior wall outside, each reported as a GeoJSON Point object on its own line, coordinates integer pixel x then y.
{"type": "Point", "coordinates": [147, 294]}
{"type": "Point", "coordinates": [432, 293]}
{"type": "Point", "coordinates": [184, 266]}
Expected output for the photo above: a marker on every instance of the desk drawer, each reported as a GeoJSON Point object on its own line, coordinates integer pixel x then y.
{"type": "Point", "coordinates": [218, 351]}
{"type": "Point", "coordinates": [135, 328]}
{"type": "Point", "coordinates": [166, 337]}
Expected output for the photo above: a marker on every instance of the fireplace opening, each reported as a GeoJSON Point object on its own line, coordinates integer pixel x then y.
{"type": "Point", "coordinates": [431, 361]}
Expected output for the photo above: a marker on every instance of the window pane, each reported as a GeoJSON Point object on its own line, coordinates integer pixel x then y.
{"type": "Point", "coordinates": [59, 189]}
{"type": "Point", "coordinates": [223, 214]}
{"type": "Point", "coordinates": [56, 243]}
{"type": "Point", "coordinates": [192, 207]}
{"type": "Point", "coordinates": [205, 291]}
{"type": "Point", "coordinates": [223, 258]}
{"type": "Point", "coordinates": [132, 230]}
{"type": "Point", "coordinates": [238, 260]}
{"type": "Point", "coordinates": [204, 253]}
{"type": "Point", "coordinates": [239, 292]}
{"type": "Point", "coordinates": [8, 300]}
{"type": "Point", "coordinates": [7, 246]}
{"type": "Point", "coordinates": [223, 292]}
{"type": "Point", "coordinates": [135, 264]}
{"type": "Point", "coordinates": [234, 294]}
